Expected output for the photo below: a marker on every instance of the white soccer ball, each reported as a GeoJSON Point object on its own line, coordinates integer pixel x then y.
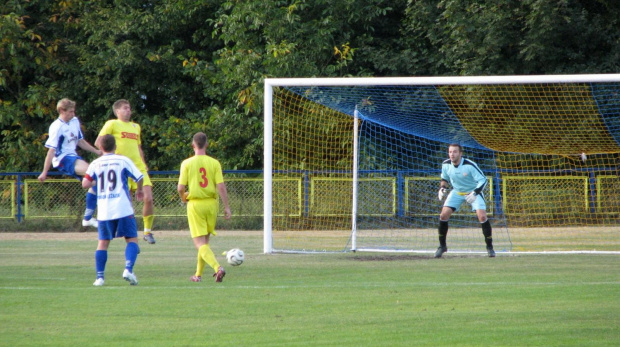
{"type": "Point", "coordinates": [235, 257]}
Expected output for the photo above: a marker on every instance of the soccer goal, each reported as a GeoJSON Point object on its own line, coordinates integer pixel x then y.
{"type": "Point", "coordinates": [353, 164]}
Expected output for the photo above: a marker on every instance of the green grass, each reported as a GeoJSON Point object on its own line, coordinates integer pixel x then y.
{"type": "Point", "coordinates": [353, 299]}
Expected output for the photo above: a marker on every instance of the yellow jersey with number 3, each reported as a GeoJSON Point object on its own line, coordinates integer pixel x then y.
{"type": "Point", "coordinates": [128, 141]}
{"type": "Point", "coordinates": [201, 174]}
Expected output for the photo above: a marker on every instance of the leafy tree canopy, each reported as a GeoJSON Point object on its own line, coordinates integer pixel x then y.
{"type": "Point", "coordinates": [198, 65]}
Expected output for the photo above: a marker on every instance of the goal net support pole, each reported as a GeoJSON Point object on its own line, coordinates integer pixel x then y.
{"type": "Point", "coordinates": [267, 162]}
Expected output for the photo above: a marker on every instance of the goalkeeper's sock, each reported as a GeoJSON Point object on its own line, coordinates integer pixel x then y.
{"type": "Point", "coordinates": [148, 223]}
{"type": "Point", "coordinates": [207, 255]}
{"type": "Point", "coordinates": [91, 205]}
{"type": "Point", "coordinates": [443, 232]}
{"type": "Point", "coordinates": [487, 232]}
{"type": "Point", "coordinates": [131, 254]}
{"type": "Point", "coordinates": [101, 258]}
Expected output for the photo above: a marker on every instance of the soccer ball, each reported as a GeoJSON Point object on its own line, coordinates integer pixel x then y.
{"type": "Point", "coordinates": [235, 257]}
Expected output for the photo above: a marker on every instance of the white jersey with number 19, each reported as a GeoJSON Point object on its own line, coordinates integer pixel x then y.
{"type": "Point", "coordinates": [113, 196]}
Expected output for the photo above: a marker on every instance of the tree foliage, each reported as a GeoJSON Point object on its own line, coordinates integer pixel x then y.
{"type": "Point", "coordinates": [515, 36]}
{"type": "Point", "coordinates": [29, 86]}
{"type": "Point", "coordinates": [198, 65]}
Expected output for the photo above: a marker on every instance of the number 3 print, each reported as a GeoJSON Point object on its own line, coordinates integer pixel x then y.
{"type": "Point", "coordinates": [205, 180]}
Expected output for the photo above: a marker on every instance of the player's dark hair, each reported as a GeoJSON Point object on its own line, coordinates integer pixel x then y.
{"type": "Point", "coordinates": [108, 143]}
{"type": "Point", "coordinates": [457, 145]}
{"type": "Point", "coordinates": [200, 139]}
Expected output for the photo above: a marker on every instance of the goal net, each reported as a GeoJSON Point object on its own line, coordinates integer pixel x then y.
{"type": "Point", "coordinates": [354, 163]}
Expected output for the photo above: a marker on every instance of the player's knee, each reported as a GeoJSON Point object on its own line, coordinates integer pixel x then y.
{"type": "Point", "coordinates": [445, 214]}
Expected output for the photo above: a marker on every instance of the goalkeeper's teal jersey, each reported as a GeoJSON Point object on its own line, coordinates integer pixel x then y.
{"type": "Point", "coordinates": [464, 178]}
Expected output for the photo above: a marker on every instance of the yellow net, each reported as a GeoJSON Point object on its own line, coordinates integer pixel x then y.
{"type": "Point", "coordinates": [550, 151]}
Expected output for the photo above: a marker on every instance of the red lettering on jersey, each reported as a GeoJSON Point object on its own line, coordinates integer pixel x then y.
{"type": "Point", "coordinates": [205, 180]}
{"type": "Point", "coordinates": [125, 135]}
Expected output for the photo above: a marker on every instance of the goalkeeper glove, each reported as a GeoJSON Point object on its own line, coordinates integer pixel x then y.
{"type": "Point", "coordinates": [471, 197]}
{"type": "Point", "coordinates": [442, 193]}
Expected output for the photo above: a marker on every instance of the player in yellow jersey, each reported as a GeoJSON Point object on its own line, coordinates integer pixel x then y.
{"type": "Point", "coordinates": [202, 174]}
{"type": "Point", "coordinates": [129, 143]}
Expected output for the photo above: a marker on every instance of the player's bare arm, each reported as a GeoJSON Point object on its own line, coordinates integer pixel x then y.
{"type": "Point", "coordinates": [48, 163]}
{"type": "Point", "coordinates": [87, 182]}
{"type": "Point", "coordinates": [182, 193]}
{"type": "Point", "coordinates": [221, 188]}
{"type": "Point", "coordinates": [83, 144]}
{"type": "Point", "coordinates": [139, 191]}
{"type": "Point", "coordinates": [98, 142]}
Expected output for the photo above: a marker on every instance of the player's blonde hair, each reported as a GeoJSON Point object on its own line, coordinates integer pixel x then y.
{"type": "Point", "coordinates": [65, 104]}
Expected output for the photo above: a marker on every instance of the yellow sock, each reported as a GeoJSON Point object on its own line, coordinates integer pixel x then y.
{"type": "Point", "coordinates": [208, 257]}
{"type": "Point", "coordinates": [200, 265]}
{"type": "Point", "coordinates": [148, 223]}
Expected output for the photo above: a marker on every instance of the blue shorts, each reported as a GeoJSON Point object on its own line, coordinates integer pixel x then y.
{"type": "Point", "coordinates": [456, 199]}
{"type": "Point", "coordinates": [67, 165]}
{"type": "Point", "coordinates": [122, 227]}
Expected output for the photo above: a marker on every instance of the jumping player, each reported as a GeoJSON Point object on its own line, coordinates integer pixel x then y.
{"type": "Point", "coordinates": [65, 135]}
{"type": "Point", "coordinates": [129, 144]}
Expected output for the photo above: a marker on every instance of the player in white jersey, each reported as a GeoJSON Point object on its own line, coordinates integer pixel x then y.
{"type": "Point", "coordinates": [468, 182]}
{"type": "Point", "coordinates": [65, 135]}
{"type": "Point", "coordinates": [108, 176]}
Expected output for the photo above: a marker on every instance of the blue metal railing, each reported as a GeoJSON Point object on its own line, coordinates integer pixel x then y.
{"type": "Point", "coordinates": [400, 176]}
{"type": "Point", "coordinates": [20, 176]}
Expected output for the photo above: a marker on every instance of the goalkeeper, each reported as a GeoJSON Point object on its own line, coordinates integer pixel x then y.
{"type": "Point", "coordinates": [468, 182]}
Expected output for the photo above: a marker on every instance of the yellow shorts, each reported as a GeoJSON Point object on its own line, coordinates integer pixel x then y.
{"type": "Point", "coordinates": [201, 216]}
{"type": "Point", "coordinates": [146, 181]}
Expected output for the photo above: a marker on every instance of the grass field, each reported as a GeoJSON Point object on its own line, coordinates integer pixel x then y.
{"type": "Point", "coordinates": [350, 299]}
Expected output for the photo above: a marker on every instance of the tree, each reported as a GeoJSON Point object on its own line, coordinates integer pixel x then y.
{"type": "Point", "coordinates": [133, 50]}
{"type": "Point", "coordinates": [199, 65]}
{"type": "Point", "coordinates": [283, 39]}
{"type": "Point", "coordinates": [515, 37]}
{"type": "Point", "coordinates": [28, 80]}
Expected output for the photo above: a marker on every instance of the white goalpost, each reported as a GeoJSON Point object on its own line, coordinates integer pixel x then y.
{"type": "Point", "coordinates": [353, 164]}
